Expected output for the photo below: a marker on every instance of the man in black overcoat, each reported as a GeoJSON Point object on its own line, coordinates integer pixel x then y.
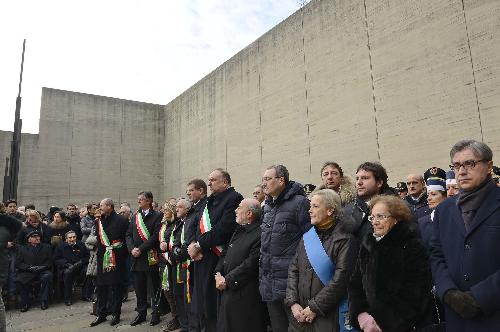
{"type": "Point", "coordinates": [111, 228]}
{"type": "Point", "coordinates": [143, 245]}
{"type": "Point", "coordinates": [33, 263]}
{"type": "Point", "coordinates": [71, 258]}
{"type": "Point", "coordinates": [205, 249]}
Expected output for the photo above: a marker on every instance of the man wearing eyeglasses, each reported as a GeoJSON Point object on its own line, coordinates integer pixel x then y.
{"type": "Point", "coordinates": [465, 245]}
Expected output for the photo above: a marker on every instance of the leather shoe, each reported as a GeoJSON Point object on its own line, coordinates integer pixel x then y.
{"type": "Point", "coordinates": [138, 320]}
{"type": "Point", "coordinates": [155, 319]}
{"type": "Point", "coordinates": [25, 308]}
{"type": "Point", "coordinates": [68, 303]}
{"type": "Point", "coordinates": [115, 319]}
{"type": "Point", "coordinates": [98, 320]}
{"type": "Point", "coordinates": [44, 305]}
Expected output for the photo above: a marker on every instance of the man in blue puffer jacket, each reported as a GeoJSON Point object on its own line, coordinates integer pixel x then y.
{"type": "Point", "coordinates": [285, 219]}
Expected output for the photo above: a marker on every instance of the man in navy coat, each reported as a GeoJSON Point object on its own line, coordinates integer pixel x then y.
{"type": "Point", "coordinates": [465, 246]}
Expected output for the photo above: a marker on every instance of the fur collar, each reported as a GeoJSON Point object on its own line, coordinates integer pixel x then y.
{"type": "Point", "coordinates": [61, 225]}
{"type": "Point", "coordinates": [347, 190]}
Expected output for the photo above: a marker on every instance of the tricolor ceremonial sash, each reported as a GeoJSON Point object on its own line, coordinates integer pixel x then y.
{"type": "Point", "coordinates": [109, 258]}
{"type": "Point", "coordinates": [185, 265]}
{"type": "Point", "coordinates": [164, 276]}
{"type": "Point", "coordinates": [324, 268]}
{"type": "Point", "coordinates": [144, 234]}
{"type": "Point", "coordinates": [206, 226]}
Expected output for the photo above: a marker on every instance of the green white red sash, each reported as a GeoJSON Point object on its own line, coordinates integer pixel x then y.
{"type": "Point", "coordinates": [206, 226]}
{"type": "Point", "coordinates": [144, 234]}
{"type": "Point", "coordinates": [164, 276]}
{"type": "Point", "coordinates": [109, 258]}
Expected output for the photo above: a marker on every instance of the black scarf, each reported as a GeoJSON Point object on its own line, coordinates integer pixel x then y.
{"type": "Point", "coordinates": [470, 202]}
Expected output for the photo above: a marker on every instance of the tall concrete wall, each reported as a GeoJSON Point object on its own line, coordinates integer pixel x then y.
{"type": "Point", "coordinates": [395, 81]}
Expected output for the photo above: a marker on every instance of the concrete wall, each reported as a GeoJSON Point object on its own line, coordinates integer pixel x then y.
{"type": "Point", "coordinates": [395, 81]}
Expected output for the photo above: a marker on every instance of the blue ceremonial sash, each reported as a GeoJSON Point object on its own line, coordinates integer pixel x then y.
{"type": "Point", "coordinates": [324, 268]}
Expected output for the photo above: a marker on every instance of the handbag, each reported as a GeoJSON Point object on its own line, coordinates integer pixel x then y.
{"type": "Point", "coordinates": [439, 325]}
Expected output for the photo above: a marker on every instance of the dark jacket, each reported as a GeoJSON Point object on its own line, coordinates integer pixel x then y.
{"type": "Point", "coordinates": [305, 288]}
{"type": "Point", "coordinates": [469, 261]}
{"type": "Point", "coordinates": [68, 255]}
{"type": "Point", "coordinates": [425, 225]}
{"type": "Point", "coordinates": [29, 256]}
{"type": "Point", "coordinates": [42, 228]}
{"type": "Point", "coordinates": [9, 227]}
{"type": "Point", "coordinates": [115, 227]}
{"type": "Point", "coordinates": [153, 223]}
{"type": "Point", "coordinates": [392, 281]}
{"type": "Point", "coordinates": [57, 232]}
{"type": "Point", "coordinates": [221, 208]}
{"type": "Point", "coordinates": [241, 307]}
{"type": "Point", "coordinates": [74, 222]}
{"type": "Point", "coordinates": [418, 207]}
{"type": "Point", "coordinates": [283, 223]}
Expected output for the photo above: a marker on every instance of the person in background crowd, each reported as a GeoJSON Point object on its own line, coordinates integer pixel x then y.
{"type": "Point", "coordinates": [390, 289]}
{"type": "Point", "coordinates": [33, 262]}
{"type": "Point", "coordinates": [125, 212]}
{"type": "Point", "coordinates": [285, 219]}
{"type": "Point", "coordinates": [155, 206]}
{"type": "Point", "coordinates": [142, 243]}
{"type": "Point", "coordinates": [333, 178]}
{"type": "Point", "coordinates": [213, 231]}
{"type": "Point", "coordinates": [9, 227]}
{"type": "Point", "coordinates": [371, 180]}
{"type": "Point", "coordinates": [436, 193]}
{"type": "Point", "coordinates": [87, 222]}
{"type": "Point", "coordinates": [258, 194]}
{"type": "Point", "coordinates": [128, 280]}
{"type": "Point", "coordinates": [495, 175]}
{"type": "Point", "coordinates": [71, 258]}
{"type": "Point", "coordinates": [237, 274]}
{"type": "Point", "coordinates": [402, 189]}
{"type": "Point", "coordinates": [73, 219]}
{"type": "Point", "coordinates": [309, 188]}
{"type": "Point", "coordinates": [82, 213]}
{"type": "Point", "coordinates": [11, 209]}
{"type": "Point", "coordinates": [451, 184]}
{"type": "Point", "coordinates": [111, 230]}
{"type": "Point", "coordinates": [465, 245]}
{"type": "Point", "coordinates": [172, 200]}
{"type": "Point", "coordinates": [33, 223]}
{"type": "Point", "coordinates": [50, 213]}
{"type": "Point", "coordinates": [314, 296]}
{"type": "Point", "coordinates": [58, 228]}
{"type": "Point", "coordinates": [91, 243]}
{"type": "Point", "coordinates": [417, 196]}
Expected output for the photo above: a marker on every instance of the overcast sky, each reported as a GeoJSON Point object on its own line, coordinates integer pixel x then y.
{"type": "Point", "coordinates": [144, 50]}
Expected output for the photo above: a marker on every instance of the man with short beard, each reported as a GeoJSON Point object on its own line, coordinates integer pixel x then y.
{"type": "Point", "coordinates": [333, 178]}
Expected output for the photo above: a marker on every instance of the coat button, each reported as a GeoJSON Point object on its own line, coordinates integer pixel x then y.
{"type": "Point", "coordinates": [231, 245]}
{"type": "Point", "coordinates": [467, 246]}
{"type": "Point", "coordinates": [466, 277]}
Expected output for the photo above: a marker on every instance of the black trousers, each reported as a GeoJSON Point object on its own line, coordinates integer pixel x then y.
{"type": "Point", "coordinates": [45, 279]}
{"type": "Point", "coordinates": [279, 315]}
{"type": "Point", "coordinates": [113, 292]}
{"type": "Point", "coordinates": [141, 290]}
{"type": "Point", "coordinates": [69, 276]}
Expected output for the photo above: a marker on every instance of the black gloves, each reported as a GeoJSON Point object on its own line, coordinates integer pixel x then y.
{"type": "Point", "coordinates": [36, 268]}
{"type": "Point", "coordinates": [463, 303]}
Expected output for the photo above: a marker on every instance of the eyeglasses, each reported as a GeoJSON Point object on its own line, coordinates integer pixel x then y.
{"type": "Point", "coordinates": [377, 217]}
{"type": "Point", "coordinates": [269, 179]}
{"type": "Point", "coordinates": [467, 165]}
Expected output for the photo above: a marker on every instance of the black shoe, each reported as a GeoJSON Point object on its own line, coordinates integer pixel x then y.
{"type": "Point", "coordinates": [98, 320]}
{"type": "Point", "coordinates": [115, 319]}
{"type": "Point", "coordinates": [138, 320]}
{"type": "Point", "coordinates": [25, 308]}
{"type": "Point", "coordinates": [155, 319]}
{"type": "Point", "coordinates": [68, 303]}
{"type": "Point", "coordinates": [44, 305]}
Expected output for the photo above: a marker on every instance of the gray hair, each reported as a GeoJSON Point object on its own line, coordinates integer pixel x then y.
{"type": "Point", "coordinates": [186, 202]}
{"type": "Point", "coordinates": [109, 202]}
{"type": "Point", "coordinates": [332, 201]}
{"type": "Point", "coordinates": [68, 233]}
{"type": "Point", "coordinates": [255, 208]}
{"type": "Point", "coordinates": [479, 149]}
{"type": "Point", "coordinates": [281, 172]}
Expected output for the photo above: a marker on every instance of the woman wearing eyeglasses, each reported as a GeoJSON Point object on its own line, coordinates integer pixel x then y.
{"type": "Point", "coordinates": [391, 286]}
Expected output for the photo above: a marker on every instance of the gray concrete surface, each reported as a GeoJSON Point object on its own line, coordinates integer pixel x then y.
{"type": "Point", "coordinates": [60, 318]}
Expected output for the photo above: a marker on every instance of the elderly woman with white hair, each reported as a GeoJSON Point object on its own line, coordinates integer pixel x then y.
{"type": "Point", "coordinates": [320, 271]}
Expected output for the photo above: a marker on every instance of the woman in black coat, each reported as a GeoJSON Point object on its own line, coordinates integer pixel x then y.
{"type": "Point", "coordinates": [237, 274]}
{"type": "Point", "coordinates": [390, 289]}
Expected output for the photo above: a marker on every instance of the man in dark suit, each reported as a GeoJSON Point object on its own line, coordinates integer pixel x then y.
{"type": "Point", "coordinates": [111, 230]}
{"type": "Point", "coordinates": [213, 231]}
{"type": "Point", "coordinates": [33, 262]}
{"type": "Point", "coordinates": [465, 243]}
{"type": "Point", "coordinates": [142, 243]}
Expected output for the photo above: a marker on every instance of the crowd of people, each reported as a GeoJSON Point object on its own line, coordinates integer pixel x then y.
{"type": "Point", "coordinates": [346, 255]}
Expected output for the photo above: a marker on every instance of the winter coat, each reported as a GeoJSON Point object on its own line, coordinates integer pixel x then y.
{"type": "Point", "coordinates": [241, 307]}
{"type": "Point", "coordinates": [221, 209]}
{"type": "Point", "coordinates": [425, 225]}
{"type": "Point", "coordinates": [66, 254]}
{"type": "Point", "coordinates": [91, 245]}
{"type": "Point", "coordinates": [468, 261]}
{"type": "Point", "coordinates": [86, 225]}
{"type": "Point", "coordinates": [392, 281]}
{"type": "Point", "coordinates": [419, 207]}
{"type": "Point", "coordinates": [153, 223]}
{"type": "Point", "coordinates": [305, 288]}
{"type": "Point", "coordinates": [28, 256]}
{"type": "Point", "coordinates": [115, 227]}
{"type": "Point", "coordinates": [42, 228]}
{"type": "Point", "coordinates": [284, 222]}
{"type": "Point", "coordinates": [57, 232]}
{"type": "Point", "coordinates": [347, 191]}
{"type": "Point", "coordinates": [9, 227]}
{"type": "Point", "coordinates": [74, 222]}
